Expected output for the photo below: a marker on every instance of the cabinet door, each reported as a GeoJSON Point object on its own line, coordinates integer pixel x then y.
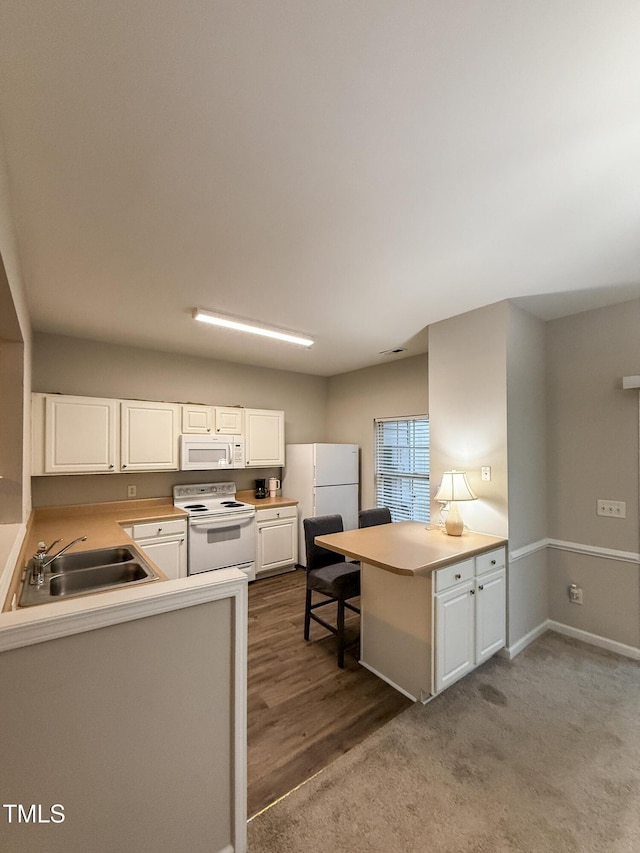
{"type": "Point", "coordinates": [80, 435]}
{"type": "Point", "coordinates": [149, 436]}
{"type": "Point", "coordinates": [455, 639]}
{"type": "Point", "coordinates": [277, 544]}
{"type": "Point", "coordinates": [229, 421]}
{"type": "Point", "coordinates": [264, 438]}
{"type": "Point", "coordinates": [170, 555]}
{"type": "Point", "coordinates": [490, 614]}
{"type": "Point", "coordinates": [197, 419]}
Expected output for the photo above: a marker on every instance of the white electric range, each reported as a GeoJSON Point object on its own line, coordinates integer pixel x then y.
{"type": "Point", "coordinates": [221, 530]}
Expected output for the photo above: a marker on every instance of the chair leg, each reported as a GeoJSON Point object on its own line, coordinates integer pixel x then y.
{"type": "Point", "coordinates": [307, 615]}
{"type": "Point", "coordinates": [341, 633]}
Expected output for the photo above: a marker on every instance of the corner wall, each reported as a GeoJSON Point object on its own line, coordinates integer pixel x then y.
{"type": "Point", "coordinates": [468, 411]}
{"type": "Point", "coordinates": [91, 368]}
{"type": "Point", "coordinates": [527, 476]}
{"type": "Point", "coordinates": [593, 453]}
{"type": "Point", "coordinates": [357, 398]}
{"type": "Point", "coordinates": [15, 377]}
{"type": "Point", "coordinates": [488, 407]}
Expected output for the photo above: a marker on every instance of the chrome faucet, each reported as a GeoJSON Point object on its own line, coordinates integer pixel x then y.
{"type": "Point", "coordinates": [40, 563]}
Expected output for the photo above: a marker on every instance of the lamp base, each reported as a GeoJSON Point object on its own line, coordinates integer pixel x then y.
{"type": "Point", "coordinates": [454, 525]}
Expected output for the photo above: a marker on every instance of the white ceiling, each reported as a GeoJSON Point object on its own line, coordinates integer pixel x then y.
{"type": "Point", "coordinates": [350, 169]}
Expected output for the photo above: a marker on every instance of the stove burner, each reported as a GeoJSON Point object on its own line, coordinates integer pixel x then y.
{"type": "Point", "coordinates": [230, 503]}
{"type": "Point", "coordinates": [195, 506]}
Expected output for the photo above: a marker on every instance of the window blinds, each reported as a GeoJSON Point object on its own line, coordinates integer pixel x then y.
{"type": "Point", "coordinates": [402, 467]}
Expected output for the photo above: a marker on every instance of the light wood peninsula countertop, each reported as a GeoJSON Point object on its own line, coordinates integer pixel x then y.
{"type": "Point", "coordinates": [408, 547]}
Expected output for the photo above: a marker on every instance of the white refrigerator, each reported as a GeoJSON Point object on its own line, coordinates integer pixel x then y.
{"type": "Point", "coordinates": [323, 478]}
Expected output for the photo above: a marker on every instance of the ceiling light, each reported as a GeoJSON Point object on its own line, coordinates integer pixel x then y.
{"type": "Point", "coordinates": [228, 322]}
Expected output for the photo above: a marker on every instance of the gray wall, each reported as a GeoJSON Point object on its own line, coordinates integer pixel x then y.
{"type": "Point", "coordinates": [128, 728]}
{"type": "Point", "coordinates": [526, 428]}
{"type": "Point", "coordinates": [15, 371]}
{"type": "Point", "coordinates": [11, 431]}
{"type": "Point", "coordinates": [357, 398]}
{"type": "Point", "coordinates": [527, 473]}
{"type": "Point", "coordinates": [468, 410]}
{"type": "Point", "coordinates": [488, 407]}
{"type": "Point", "coordinates": [91, 368]}
{"type": "Point", "coordinates": [593, 425]}
{"type": "Point", "coordinates": [593, 453]}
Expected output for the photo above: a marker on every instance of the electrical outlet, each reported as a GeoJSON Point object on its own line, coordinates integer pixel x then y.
{"type": "Point", "coordinates": [612, 509]}
{"type": "Point", "coordinates": [131, 491]}
{"type": "Point", "coordinates": [486, 472]}
{"type": "Point", "coordinates": [575, 594]}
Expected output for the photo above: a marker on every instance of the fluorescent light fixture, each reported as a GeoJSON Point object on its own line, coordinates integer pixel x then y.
{"type": "Point", "coordinates": [239, 325]}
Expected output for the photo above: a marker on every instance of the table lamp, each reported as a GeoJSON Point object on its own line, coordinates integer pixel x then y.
{"type": "Point", "coordinates": [453, 488]}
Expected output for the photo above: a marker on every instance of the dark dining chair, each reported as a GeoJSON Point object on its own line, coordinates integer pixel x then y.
{"type": "Point", "coordinates": [331, 576]}
{"type": "Point", "coordinates": [372, 517]}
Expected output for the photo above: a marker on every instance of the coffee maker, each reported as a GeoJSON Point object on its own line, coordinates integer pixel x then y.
{"type": "Point", "coordinates": [261, 488]}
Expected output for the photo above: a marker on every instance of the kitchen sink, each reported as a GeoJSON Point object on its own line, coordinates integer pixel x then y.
{"type": "Point", "coordinates": [87, 572]}
{"type": "Point", "coordinates": [89, 559]}
{"type": "Point", "coordinates": [97, 578]}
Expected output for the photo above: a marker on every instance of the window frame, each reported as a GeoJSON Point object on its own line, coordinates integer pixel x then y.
{"type": "Point", "coordinates": [396, 482]}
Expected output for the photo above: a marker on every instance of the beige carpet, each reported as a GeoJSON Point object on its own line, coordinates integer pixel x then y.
{"type": "Point", "coordinates": [541, 755]}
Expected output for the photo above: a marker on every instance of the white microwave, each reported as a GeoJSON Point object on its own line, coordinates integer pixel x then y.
{"type": "Point", "coordinates": [211, 452]}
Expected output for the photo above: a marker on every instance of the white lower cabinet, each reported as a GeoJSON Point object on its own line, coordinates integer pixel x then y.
{"type": "Point", "coordinates": [277, 540]}
{"type": "Point", "coordinates": [470, 615]}
{"type": "Point", "coordinates": [455, 640]}
{"type": "Point", "coordinates": [165, 542]}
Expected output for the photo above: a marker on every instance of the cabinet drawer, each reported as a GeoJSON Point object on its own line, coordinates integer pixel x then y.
{"type": "Point", "coordinates": [455, 574]}
{"type": "Point", "coordinates": [490, 561]}
{"type": "Point", "coordinates": [146, 529]}
{"type": "Point", "coordinates": [275, 513]}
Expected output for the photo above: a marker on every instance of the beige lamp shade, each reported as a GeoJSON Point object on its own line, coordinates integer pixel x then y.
{"type": "Point", "coordinates": [453, 488]}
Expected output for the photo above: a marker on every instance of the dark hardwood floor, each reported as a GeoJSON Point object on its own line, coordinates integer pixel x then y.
{"type": "Point", "coordinates": [303, 712]}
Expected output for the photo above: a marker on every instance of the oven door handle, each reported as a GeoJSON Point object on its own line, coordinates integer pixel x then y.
{"type": "Point", "coordinates": [223, 520]}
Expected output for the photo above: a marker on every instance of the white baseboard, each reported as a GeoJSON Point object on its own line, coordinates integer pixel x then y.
{"type": "Point", "coordinates": [511, 651]}
{"type": "Point", "coordinates": [594, 640]}
{"type": "Point", "coordinates": [576, 633]}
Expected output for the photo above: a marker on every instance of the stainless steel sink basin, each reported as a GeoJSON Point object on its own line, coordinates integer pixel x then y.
{"type": "Point", "coordinates": [89, 559]}
{"type": "Point", "coordinates": [87, 572]}
{"type": "Point", "coordinates": [96, 578]}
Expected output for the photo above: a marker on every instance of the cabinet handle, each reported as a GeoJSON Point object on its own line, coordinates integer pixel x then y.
{"type": "Point", "coordinates": [493, 562]}
{"type": "Point", "coordinates": [457, 577]}
{"type": "Point", "coordinates": [159, 530]}
{"type": "Point", "coordinates": [124, 466]}
{"type": "Point", "coordinates": [481, 586]}
{"type": "Point", "coordinates": [472, 591]}
{"type": "Point", "coordinates": [110, 467]}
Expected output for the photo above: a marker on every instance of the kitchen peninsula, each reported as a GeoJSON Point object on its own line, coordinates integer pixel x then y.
{"type": "Point", "coordinates": [136, 699]}
{"type": "Point", "coordinates": [433, 606]}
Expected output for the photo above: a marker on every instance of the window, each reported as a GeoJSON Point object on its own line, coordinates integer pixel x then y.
{"type": "Point", "coordinates": [402, 467]}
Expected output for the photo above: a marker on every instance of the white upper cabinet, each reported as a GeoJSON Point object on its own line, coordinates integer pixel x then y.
{"type": "Point", "coordinates": [79, 435]}
{"type": "Point", "coordinates": [149, 436]}
{"type": "Point", "coordinates": [197, 419]}
{"type": "Point", "coordinates": [229, 420]}
{"type": "Point", "coordinates": [264, 438]}
{"type": "Point", "coordinates": [93, 435]}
